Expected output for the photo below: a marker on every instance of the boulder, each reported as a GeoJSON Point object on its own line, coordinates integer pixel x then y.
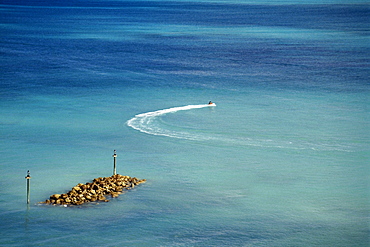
{"type": "Point", "coordinates": [114, 194]}
{"type": "Point", "coordinates": [76, 188]}
{"type": "Point", "coordinates": [55, 196]}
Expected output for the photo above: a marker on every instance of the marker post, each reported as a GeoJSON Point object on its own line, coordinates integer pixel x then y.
{"type": "Point", "coordinates": [28, 178]}
{"type": "Point", "coordinates": [114, 162]}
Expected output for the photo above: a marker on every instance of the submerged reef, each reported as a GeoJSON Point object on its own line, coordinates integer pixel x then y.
{"type": "Point", "coordinates": [95, 191]}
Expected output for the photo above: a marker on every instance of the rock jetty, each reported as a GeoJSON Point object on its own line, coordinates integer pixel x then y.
{"type": "Point", "coordinates": [95, 191]}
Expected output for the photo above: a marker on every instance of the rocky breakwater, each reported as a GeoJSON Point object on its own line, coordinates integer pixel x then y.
{"type": "Point", "coordinates": [97, 190]}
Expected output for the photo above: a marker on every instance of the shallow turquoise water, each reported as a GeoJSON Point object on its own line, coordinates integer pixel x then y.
{"type": "Point", "coordinates": [259, 182]}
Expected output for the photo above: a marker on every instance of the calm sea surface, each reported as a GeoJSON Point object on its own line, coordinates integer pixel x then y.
{"type": "Point", "coordinates": [281, 160]}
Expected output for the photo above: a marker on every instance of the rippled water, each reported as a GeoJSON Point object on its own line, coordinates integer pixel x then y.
{"type": "Point", "coordinates": [281, 159]}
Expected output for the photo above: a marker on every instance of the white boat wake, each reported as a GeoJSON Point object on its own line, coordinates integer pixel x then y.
{"type": "Point", "coordinates": [144, 122]}
{"type": "Point", "coordinates": [150, 124]}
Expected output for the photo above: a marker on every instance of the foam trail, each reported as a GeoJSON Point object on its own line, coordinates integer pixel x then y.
{"type": "Point", "coordinates": [144, 121]}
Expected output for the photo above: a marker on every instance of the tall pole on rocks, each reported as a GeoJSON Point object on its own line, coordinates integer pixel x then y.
{"type": "Point", "coordinates": [28, 178]}
{"type": "Point", "coordinates": [114, 162]}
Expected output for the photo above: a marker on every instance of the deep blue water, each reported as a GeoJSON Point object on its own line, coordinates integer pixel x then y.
{"type": "Point", "coordinates": [281, 160]}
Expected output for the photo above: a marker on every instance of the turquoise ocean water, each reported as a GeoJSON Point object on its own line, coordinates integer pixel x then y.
{"type": "Point", "coordinates": [281, 160]}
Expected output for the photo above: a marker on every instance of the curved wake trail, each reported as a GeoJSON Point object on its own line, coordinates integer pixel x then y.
{"type": "Point", "coordinates": [144, 122]}
{"type": "Point", "coordinates": [147, 123]}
